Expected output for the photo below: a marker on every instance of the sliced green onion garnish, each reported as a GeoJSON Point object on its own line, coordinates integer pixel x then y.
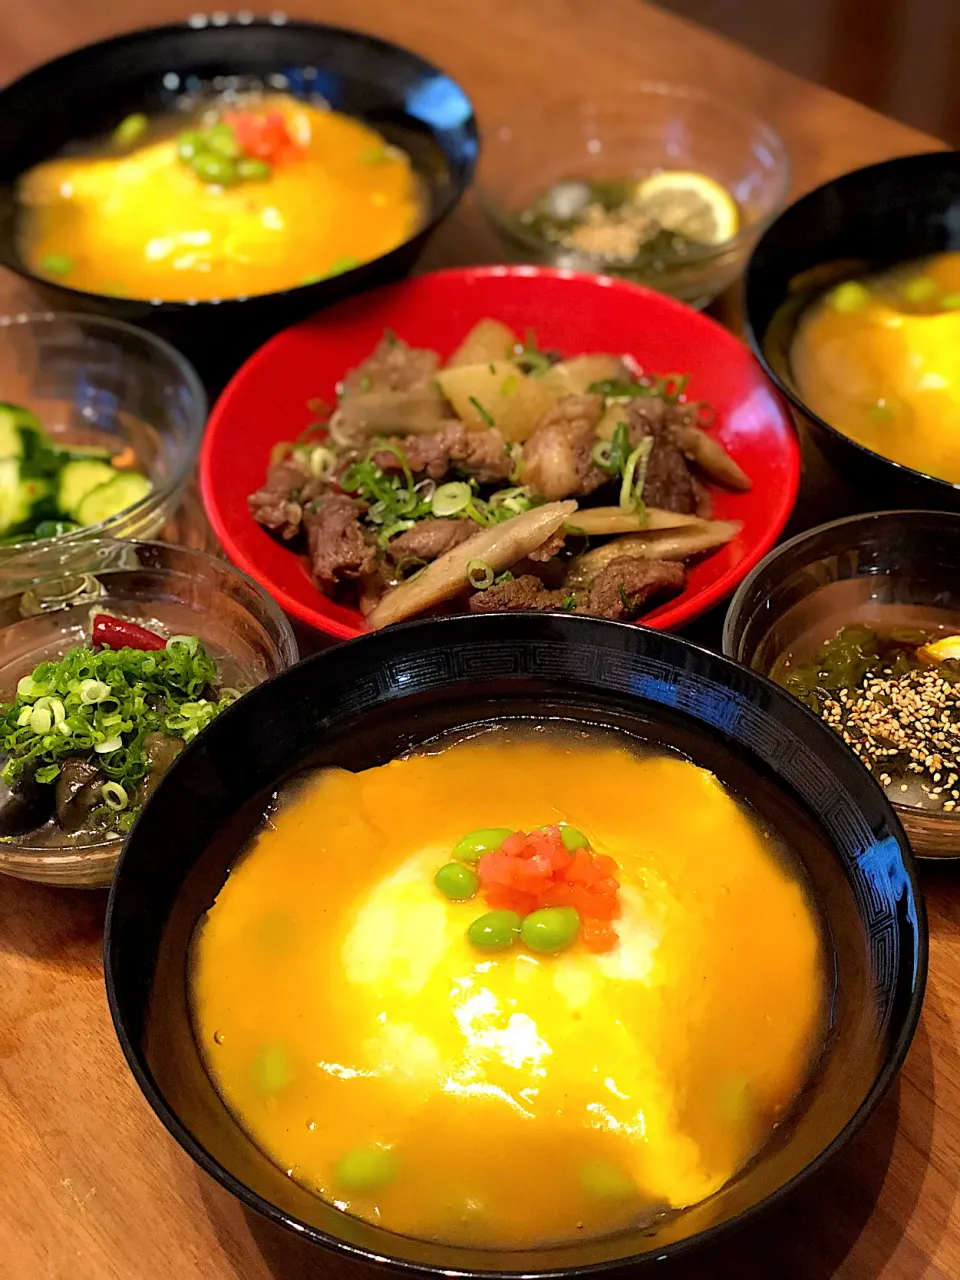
{"type": "Point", "coordinates": [450, 498]}
{"type": "Point", "coordinates": [322, 460]}
{"type": "Point", "coordinates": [480, 575]}
{"type": "Point", "coordinates": [93, 691]}
{"type": "Point", "coordinates": [111, 744]}
{"type": "Point", "coordinates": [27, 687]}
{"type": "Point", "coordinates": [41, 721]}
{"type": "Point", "coordinates": [509, 384]}
{"type": "Point", "coordinates": [600, 453]}
{"type": "Point", "coordinates": [485, 414]}
{"type": "Point", "coordinates": [114, 796]}
{"type": "Point", "coordinates": [190, 643]}
{"type": "Point", "coordinates": [635, 475]}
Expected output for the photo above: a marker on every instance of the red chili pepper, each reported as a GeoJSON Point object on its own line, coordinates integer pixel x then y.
{"type": "Point", "coordinates": [115, 633]}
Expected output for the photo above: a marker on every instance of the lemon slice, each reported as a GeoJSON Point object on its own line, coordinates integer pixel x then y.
{"type": "Point", "coordinates": [691, 204]}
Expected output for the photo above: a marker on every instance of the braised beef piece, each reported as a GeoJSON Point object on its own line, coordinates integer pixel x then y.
{"type": "Point", "coordinates": [480, 454]}
{"type": "Point", "coordinates": [161, 749]}
{"type": "Point", "coordinates": [429, 539]}
{"type": "Point", "coordinates": [279, 504]}
{"type": "Point", "coordinates": [669, 483]}
{"type": "Point", "coordinates": [557, 458]}
{"type": "Point", "coordinates": [336, 542]}
{"type": "Point", "coordinates": [393, 366]}
{"type": "Point", "coordinates": [525, 592]}
{"type": "Point", "coordinates": [622, 588]}
{"type": "Point", "coordinates": [619, 591]}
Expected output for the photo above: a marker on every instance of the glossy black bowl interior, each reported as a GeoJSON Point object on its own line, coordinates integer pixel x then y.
{"type": "Point", "coordinates": [86, 93]}
{"type": "Point", "coordinates": [870, 219]}
{"type": "Point", "coordinates": [362, 703]}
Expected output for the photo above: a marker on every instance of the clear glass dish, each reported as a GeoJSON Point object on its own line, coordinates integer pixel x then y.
{"type": "Point", "coordinates": [630, 134]}
{"type": "Point", "coordinates": [888, 568]}
{"type": "Point", "coordinates": [46, 598]}
{"type": "Point", "coordinates": [93, 381]}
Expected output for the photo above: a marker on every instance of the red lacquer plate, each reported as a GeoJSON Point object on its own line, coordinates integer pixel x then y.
{"type": "Point", "coordinates": [267, 401]}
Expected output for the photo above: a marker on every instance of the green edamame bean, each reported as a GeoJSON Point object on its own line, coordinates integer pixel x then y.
{"type": "Point", "coordinates": [222, 139]}
{"type": "Point", "coordinates": [472, 846]}
{"type": "Point", "coordinates": [213, 168]}
{"type": "Point", "coordinates": [457, 882]}
{"type": "Point", "coordinates": [367, 1169]}
{"type": "Point", "coordinates": [573, 838]}
{"type": "Point", "coordinates": [271, 1068]}
{"type": "Point", "coordinates": [253, 170]}
{"type": "Point", "coordinates": [190, 143]}
{"type": "Point", "coordinates": [551, 928]}
{"type": "Point", "coordinates": [607, 1181]}
{"type": "Point", "coordinates": [496, 931]}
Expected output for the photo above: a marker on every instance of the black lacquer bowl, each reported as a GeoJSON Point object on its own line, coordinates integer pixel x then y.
{"type": "Point", "coordinates": [364, 702]}
{"type": "Point", "coordinates": [84, 94]}
{"type": "Point", "coordinates": [866, 220]}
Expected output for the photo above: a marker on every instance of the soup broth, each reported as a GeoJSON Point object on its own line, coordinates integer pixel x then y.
{"type": "Point", "coordinates": [540, 1091]}
{"type": "Point", "coordinates": [878, 358]}
{"type": "Point", "coordinates": [266, 194]}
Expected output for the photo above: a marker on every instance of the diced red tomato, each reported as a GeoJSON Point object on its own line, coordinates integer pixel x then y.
{"type": "Point", "coordinates": [535, 869]}
{"type": "Point", "coordinates": [598, 937]}
{"type": "Point", "coordinates": [264, 137]}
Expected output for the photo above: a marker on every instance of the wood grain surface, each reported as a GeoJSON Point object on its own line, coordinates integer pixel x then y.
{"type": "Point", "coordinates": [91, 1187]}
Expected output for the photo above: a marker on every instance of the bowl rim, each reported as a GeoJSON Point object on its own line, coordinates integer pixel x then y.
{"type": "Point", "coordinates": [885, 1078]}
{"type": "Point", "coordinates": [738, 600]}
{"type": "Point", "coordinates": [448, 196]}
{"type": "Point", "coordinates": [782, 167]}
{"type": "Point", "coordinates": [289, 655]}
{"type": "Point", "coordinates": [780, 506]}
{"type": "Point", "coordinates": [198, 420]}
{"type": "Point", "coordinates": [756, 344]}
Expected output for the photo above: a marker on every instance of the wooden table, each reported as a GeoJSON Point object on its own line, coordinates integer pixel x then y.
{"type": "Point", "coordinates": [92, 1188]}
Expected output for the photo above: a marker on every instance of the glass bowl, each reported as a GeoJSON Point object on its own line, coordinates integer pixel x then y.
{"type": "Point", "coordinates": [855, 570]}
{"type": "Point", "coordinates": [93, 381]}
{"type": "Point", "coordinates": [631, 134]}
{"type": "Point", "coordinates": [46, 598]}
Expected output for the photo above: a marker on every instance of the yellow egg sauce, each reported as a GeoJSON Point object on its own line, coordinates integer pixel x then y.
{"type": "Point", "coordinates": [142, 223]}
{"type": "Point", "coordinates": [879, 360]}
{"type": "Point", "coordinates": [508, 1099]}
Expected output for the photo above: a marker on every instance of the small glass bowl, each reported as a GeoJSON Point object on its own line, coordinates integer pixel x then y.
{"type": "Point", "coordinates": [46, 598]}
{"type": "Point", "coordinates": [855, 570]}
{"type": "Point", "coordinates": [95, 381]}
{"type": "Point", "coordinates": [631, 134]}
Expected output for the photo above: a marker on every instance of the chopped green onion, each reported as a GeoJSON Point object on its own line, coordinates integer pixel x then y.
{"type": "Point", "coordinates": [600, 453]}
{"type": "Point", "coordinates": [190, 643]}
{"type": "Point", "coordinates": [635, 475]}
{"type": "Point", "coordinates": [672, 386]}
{"type": "Point", "coordinates": [114, 796]}
{"type": "Point", "coordinates": [322, 461]}
{"type": "Point", "coordinates": [480, 575]}
{"type": "Point", "coordinates": [24, 717]}
{"type": "Point", "coordinates": [93, 691]}
{"type": "Point", "coordinates": [509, 384]}
{"type": "Point", "coordinates": [251, 169]}
{"type": "Point", "coordinates": [27, 687]}
{"type": "Point", "coordinates": [849, 296]}
{"type": "Point", "coordinates": [485, 414]}
{"type": "Point", "coordinates": [47, 773]}
{"type": "Point", "coordinates": [111, 744]}
{"type": "Point", "coordinates": [41, 721]}
{"type": "Point", "coordinates": [919, 289]}
{"type": "Point", "coordinates": [450, 498]}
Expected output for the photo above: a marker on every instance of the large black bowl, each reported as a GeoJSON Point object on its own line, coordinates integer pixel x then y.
{"type": "Point", "coordinates": [362, 703]}
{"type": "Point", "coordinates": [872, 218]}
{"type": "Point", "coordinates": [85, 93]}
